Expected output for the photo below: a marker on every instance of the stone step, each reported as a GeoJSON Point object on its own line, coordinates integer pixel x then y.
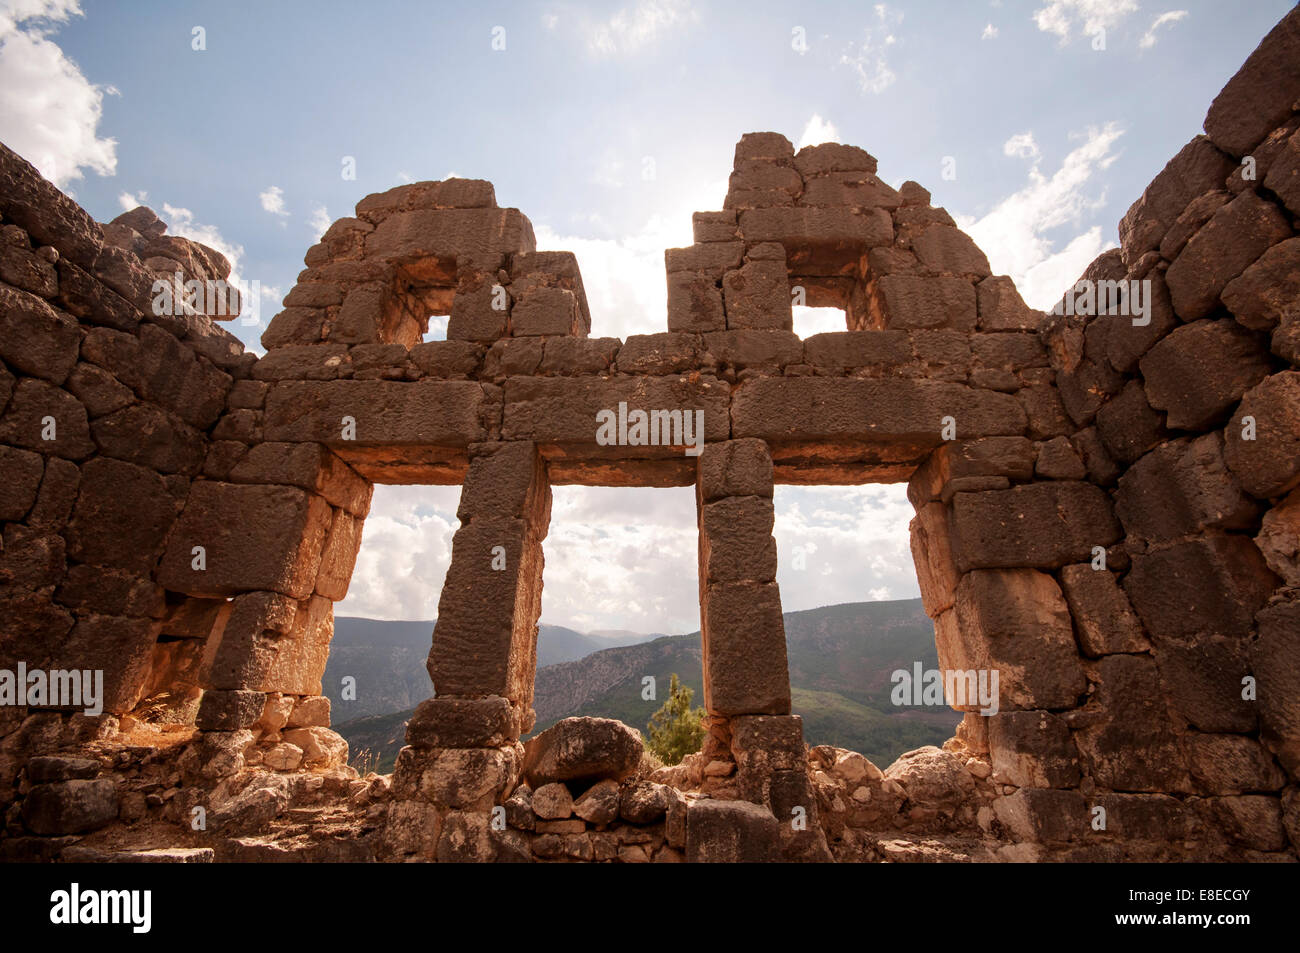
{"type": "Point", "coordinates": [154, 855]}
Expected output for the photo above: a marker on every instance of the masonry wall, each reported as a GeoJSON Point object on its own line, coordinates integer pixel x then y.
{"type": "Point", "coordinates": [1106, 513]}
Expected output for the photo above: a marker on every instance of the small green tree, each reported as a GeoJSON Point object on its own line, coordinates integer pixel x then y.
{"type": "Point", "coordinates": [676, 729]}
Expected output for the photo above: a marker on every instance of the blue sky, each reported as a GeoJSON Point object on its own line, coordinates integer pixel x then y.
{"type": "Point", "coordinates": [241, 144]}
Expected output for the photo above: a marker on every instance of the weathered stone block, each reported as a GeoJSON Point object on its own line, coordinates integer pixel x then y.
{"type": "Point", "coordinates": [907, 302]}
{"type": "Point", "coordinates": [736, 543]}
{"type": "Point", "coordinates": [1042, 525]}
{"type": "Point", "coordinates": [1181, 488]}
{"type": "Point", "coordinates": [1232, 764]}
{"type": "Point", "coordinates": [252, 538]}
{"type": "Point", "coordinates": [849, 190]}
{"type": "Point", "coordinates": [229, 710]}
{"type": "Point", "coordinates": [757, 295]}
{"type": "Point", "coordinates": [853, 349]}
{"type": "Point", "coordinates": [1201, 370]}
{"type": "Point", "coordinates": [901, 410]}
{"type": "Point", "coordinates": [1263, 92]}
{"type": "Point", "coordinates": [694, 302]}
{"type": "Point", "coordinates": [578, 356]}
{"type": "Point", "coordinates": [1238, 234]}
{"type": "Point", "coordinates": [833, 157]}
{"type": "Point", "coordinates": [552, 410]}
{"type": "Point", "coordinates": [800, 228]}
{"type": "Point", "coordinates": [751, 347]}
{"type": "Point", "coordinates": [1275, 662]}
{"type": "Point", "coordinates": [1197, 168]}
{"type": "Point", "coordinates": [1214, 584]}
{"type": "Point", "coordinates": [386, 413]}
{"type": "Point", "coordinates": [1128, 743]}
{"type": "Point", "coordinates": [1279, 539]}
{"type": "Point", "coordinates": [1002, 309]}
{"type": "Point", "coordinates": [44, 418]}
{"type": "Point", "coordinates": [485, 642]}
{"type": "Point", "coordinates": [547, 311]}
{"type": "Point", "coordinates": [1262, 442]}
{"type": "Point", "coordinates": [484, 236]}
{"type": "Point", "coordinates": [582, 750]}
{"type": "Point", "coordinates": [949, 251]}
{"type": "Point", "coordinates": [1264, 293]}
{"type": "Point", "coordinates": [1014, 621]}
{"type": "Point", "coordinates": [714, 226]}
{"type": "Point", "coordinates": [1032, 749]}
{"type": "Point", "coordinates": [966, 465]}
{"type": "Point", "coordinates": [1041, 815]}
{"type": "Point", "coordinates": [731, 832]}
{"type": "Point", "coordinates": [664, 353]}
{"type": "Point", "coordinates": [932, 555]}
{"type": "Point", "coordinates": [22, 478]}
{"type": "Point", "coordinates": [734, 468]}
{"type": "Point", "coordinates": [744, 650]}
{"type": "Point", "coordinates": [506, 481]}
{"type": "Point", "coordinates": [1103, 618]}
{"type": "Point", "coordinates": [1128, 426]}
{"type": "Point", "coordinates": [122, 516]}
{"type": "Point", "coordinates": [146, 435]}
{"type": "Point", "coordinates": [70, 807]}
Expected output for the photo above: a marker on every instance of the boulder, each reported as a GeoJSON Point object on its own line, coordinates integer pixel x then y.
{"type": "Point", "coordinates": [582, 749]}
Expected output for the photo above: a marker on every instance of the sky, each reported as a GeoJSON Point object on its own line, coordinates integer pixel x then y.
{"type": "Point", "coordinates": [1036, 123]}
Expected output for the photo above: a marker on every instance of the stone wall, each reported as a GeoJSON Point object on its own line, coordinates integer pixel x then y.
{"type": "Point", "coordinates": [1107, 517]}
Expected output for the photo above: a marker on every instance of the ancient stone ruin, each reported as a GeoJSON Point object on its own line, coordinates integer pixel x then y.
{"type": "Point", "coordinates": [1107, 515]}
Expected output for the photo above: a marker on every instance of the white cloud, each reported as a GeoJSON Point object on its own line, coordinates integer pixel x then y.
{"type": "Point", "coordinates": [852, 541]}
{"type": "Point", "coordinates": [990, 32]}
{"type": "Point", "coordinates": [320, 221]}
{"type": "Point", "coordinates": [621, 557]}
{"type": "Point", "coordinates": [636, 27]}
{"type": "Point", "coordinates": [867, 59]}
{"type": "Point", "coordinates": [627, 288]}
{"type": "Point", "coordinates": [130, 200]}
{"type": "Point", "coordinates": [549, 20]}
{"type": "Point", "coordinates": [1149, 38]}
{"type": "Point", "coordinates": [273, 200]}
{"type": "Point", "coordinates": [405, 552]}
{"type": "Point", "coordinates": [1014, 233]}
{"type": "Point", "coordinates": [810, 321]}
{"type": "Point", "coordinates": [1022, 146]}
{"type": "Point", "coordinates": [1061, 16]}
{"type": "Point", "coordinates": [49, 111]}
{"type": "Point", "coordinates": [817, 131]}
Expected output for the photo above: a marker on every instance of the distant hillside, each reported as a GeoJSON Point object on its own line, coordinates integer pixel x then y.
{"type": "Point", "coordinates": [387, 660]}
{"type": "Point", "coordinates": [840, 661]}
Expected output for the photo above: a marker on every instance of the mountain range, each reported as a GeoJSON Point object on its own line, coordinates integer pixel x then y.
{"type": "Point", "coordinates": [840, 660]}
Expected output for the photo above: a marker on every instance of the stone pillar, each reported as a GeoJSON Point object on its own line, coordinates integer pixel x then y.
{"type": "Point", "coordinates": [746, 677]}
{"type": "Point", "coordinates": [486, 638]}
{"type": "Point", "coordinates": [745, 671]}
{"type": "Point", "coordinates": [463, 755]}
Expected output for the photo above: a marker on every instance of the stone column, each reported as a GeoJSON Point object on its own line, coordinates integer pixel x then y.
{"type": "Point", "coordinates": [463, 755]}
{"type": "Point", "coordinates": [743, 635]}
{"type": "Point", "coordinates": [746, 677]}
{"type": "Point", "coordinates": [486, 638]}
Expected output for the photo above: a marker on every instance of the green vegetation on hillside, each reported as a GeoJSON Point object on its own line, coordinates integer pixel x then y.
{"type": "Point", "coordinates": [676, 729]}
{"type": "Point", "coordinates": [840, 660]}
